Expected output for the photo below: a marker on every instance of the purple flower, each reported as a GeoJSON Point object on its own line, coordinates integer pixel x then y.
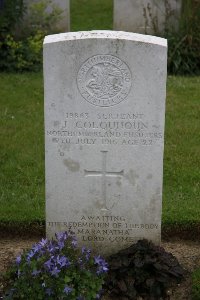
{"type": "Point", "coordinates": [74, 243]}
{"type": "Point", "coordinates": [102, 265]}
{"type": "Point", "coordinates": [102, 269]}
{"type": "Point", "coordinates": [80, 261]}
{"type": "Point", "coordinates": [35, 272]}
{"type": "Point", "coordinates": [48, 292]}
{"type": "Point", "coordinates": [55, 272]}
{"type": "Point", "coordinates": [87, 252]}
{"type": "Point", "coordinates": [61, 245]}
{"type": "Point", "coordinates": [67, 290]}
{"type": "Point", "coordinates": [87, 255]}
{"type": "Point", "coordinates": [36, 248]}
{"type": "Point", "coordinates": [30, 255]}
{"type": "Point", "coordinates": [18, 259]}
{"type": "Point", "coordinates": [48, 264]}
{"type": "Point", "coordinates": [63, 261]}
{"type": "Point", "coordinates": [51, 247]}
{"type": "Point", "coordinates": [61, 236]}
{"type": "Point", "coordinates": [83, 250]}
{"type": "Point", "coordinates": [43, 242]}
{"type": "Point", "coordinates": [98, 260]}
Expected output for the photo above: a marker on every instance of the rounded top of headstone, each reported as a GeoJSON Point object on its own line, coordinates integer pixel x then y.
{"type": "Point", "coordinates": [105, 34]}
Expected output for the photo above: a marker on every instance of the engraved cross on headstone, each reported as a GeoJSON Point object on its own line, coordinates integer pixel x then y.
{"type": "Point", "coordinates": [104, 174]}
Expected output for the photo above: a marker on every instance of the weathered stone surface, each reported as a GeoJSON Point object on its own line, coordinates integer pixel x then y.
{"type": "Point", "coordinates": [104, 123]}
{"type": "Point", "coordinates": [134, 15]}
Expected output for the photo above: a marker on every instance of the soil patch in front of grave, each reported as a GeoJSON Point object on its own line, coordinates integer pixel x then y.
{"type": "Point", "coordinates": [186, 251]}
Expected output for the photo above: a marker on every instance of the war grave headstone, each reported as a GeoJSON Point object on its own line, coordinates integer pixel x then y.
{"type": "Point", "coordinates": [64, 5]}
{"type": "Point", "coordinates": [104, 136]}
{"type": "Point", "coordinates": [134, 15]}
{"type": "Point", "coordinates": [64, 22]}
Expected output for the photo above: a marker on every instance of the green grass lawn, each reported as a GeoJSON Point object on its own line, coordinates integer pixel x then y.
{"type": "Point", "coordinates": [91, 14]}
{"type": "Point", "coordinates": [182, 152]}
{"type": "Point", "coordinates": [196, 285]}
{"type": "Point", "coordinates": [22, 150]}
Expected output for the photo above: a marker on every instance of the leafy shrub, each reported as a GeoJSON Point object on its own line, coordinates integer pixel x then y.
{"type": "Point", "coordinates": [22, 37]}
{"type": "Point", "coordinates": [184, 45]}
{"type": "Point", "coordinates": [196, 285]}
{"type": "Point", "coordinates": [142, 270]}
{"type": "Point", "coordinates": [57, 270]}
{"type": "Point", "coordinates": [23, 54]}
{"type": "Point", "coordinates": [11, 13]}
{"type": "Point", "coordinates": [184, 42]}
{"type": "Point", "coordinates": [41, 18]}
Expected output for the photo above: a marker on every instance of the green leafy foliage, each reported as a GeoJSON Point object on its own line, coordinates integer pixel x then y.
{"type": "Point", "coordinates": [41, 18]}
{"type": "Point", "coordinates": [11, 16]}
{"type": "Point", "coordinates": [183, 38]}
{"type": "Point", "coordinates": [184, 44]}
{"type": "Point", "coordinates": [57, 269]}
{"type": "Point", "coordinates": [21, 55]}
{"type": "Point", "coordinates": [142, 270]}
{"type": "Point", "coordinates": [11, 13]}
{"type": "Point", "coordinates": [22, 36]}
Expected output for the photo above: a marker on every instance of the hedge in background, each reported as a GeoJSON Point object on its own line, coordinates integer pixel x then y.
{"type": "Point", "coordinates": [21, 49]}
{"type": "Point", "coordinates": [21, 37]}
{"type": "Point", "coordinates": [184, 41]}
{"type": "Point", "coordinates": [184, 45]}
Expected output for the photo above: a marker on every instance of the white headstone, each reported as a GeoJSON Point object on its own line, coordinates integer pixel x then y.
{"type": "Point", "coordinates": [104, 120]}
{"type": "Point", "coordinates": [64, 5]}
{"type": "Point", "coordinates": [64, 23]}
{"type": "Point", "coordinates": [134, 15]}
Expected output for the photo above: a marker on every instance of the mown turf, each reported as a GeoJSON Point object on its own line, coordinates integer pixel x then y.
{"type": "Point", "coordinates": [182, 152]}
{"type": "Point", "coordinates": [91, 15]}
{"type": "Point", "coordinates": [196, 285]}
{"type": "Point", "coordinates": [22, 150]}
{"type": "Point", "coordinates": [22, 147]}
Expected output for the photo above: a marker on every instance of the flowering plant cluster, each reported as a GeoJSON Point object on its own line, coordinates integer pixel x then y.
{"type": "Point", "coordinates": [57, 269]}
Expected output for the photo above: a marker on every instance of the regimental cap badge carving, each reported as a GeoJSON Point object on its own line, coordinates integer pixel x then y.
{"type": "Point", "coordinates": [104, 80]}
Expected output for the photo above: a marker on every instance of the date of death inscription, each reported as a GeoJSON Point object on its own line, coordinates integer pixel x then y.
{"type": "Point", "coordinates": [105, 228]}
{"type": "Point", "coordinates": [127, 129]}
